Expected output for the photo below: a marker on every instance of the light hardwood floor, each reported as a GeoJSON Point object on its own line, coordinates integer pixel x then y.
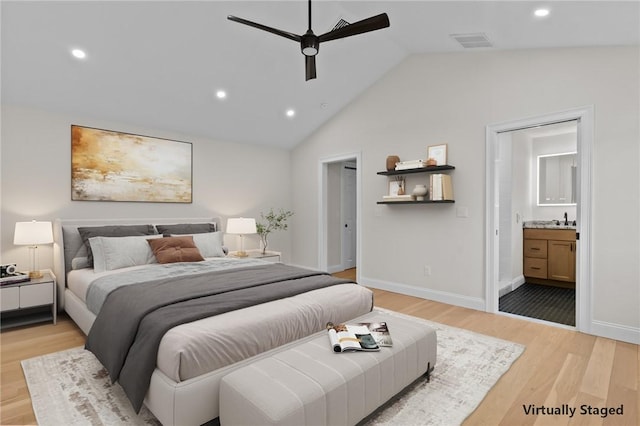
{"type": "Point", "coordinates": [558, 367]}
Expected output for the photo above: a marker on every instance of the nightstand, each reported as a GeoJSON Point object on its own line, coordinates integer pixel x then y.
{"type": "Point", "coordinates": [29, 302]}
{"type": "Point", "coordinates": [270, 256]}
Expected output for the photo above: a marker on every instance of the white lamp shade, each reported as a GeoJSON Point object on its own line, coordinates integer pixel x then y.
{"type": "Point", "coordinates": [33, 233]}
{"type": "Point", "coordinates": [241, 225]}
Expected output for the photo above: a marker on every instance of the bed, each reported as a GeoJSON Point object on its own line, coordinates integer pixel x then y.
{"type": "Point", "coordinates": [235, 310]}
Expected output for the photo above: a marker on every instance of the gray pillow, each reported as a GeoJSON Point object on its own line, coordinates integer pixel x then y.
{"type": "Point", "coordinates": [186, 228]}
{"type": "Point", "coordinates": [112, 231]}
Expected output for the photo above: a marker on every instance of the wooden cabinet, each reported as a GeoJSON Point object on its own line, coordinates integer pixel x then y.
{"type": "Point", "coordinates": [561, 260]}
{"type": "Point", "coordinates": [550, 254]}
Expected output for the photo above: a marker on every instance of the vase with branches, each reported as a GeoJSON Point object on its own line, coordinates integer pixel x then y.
{"type": "Point", "coordinates": [274, 221]}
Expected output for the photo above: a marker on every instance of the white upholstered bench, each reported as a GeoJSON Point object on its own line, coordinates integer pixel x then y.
{"type": "Point", "coordinates": [309, 384]}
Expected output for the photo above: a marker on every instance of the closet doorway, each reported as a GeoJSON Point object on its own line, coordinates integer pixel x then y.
{"type": "Point", "coordinates": [503, 222]}
{"type": "Point", "coordinates": [339, 213]}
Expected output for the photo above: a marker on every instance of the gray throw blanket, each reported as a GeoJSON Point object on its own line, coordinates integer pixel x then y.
{"type": "Point", "coordinates": [127, 332]}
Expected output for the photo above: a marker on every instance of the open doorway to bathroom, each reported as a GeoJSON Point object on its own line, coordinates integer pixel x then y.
{"type": "Point", "coordinates": [515, 195]}
{"type": "Point", "coordinates": [537, 208]}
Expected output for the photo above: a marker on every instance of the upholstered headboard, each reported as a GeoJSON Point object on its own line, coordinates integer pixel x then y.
{"type": "Point", "coordinates": [67, 243]}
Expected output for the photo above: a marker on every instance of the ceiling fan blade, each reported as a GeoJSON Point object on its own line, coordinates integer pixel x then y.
{"type": "Point", "coordinates": [275, 31]}
{"type": "Point", "coordinates": [310, 67]}
{"type": "Point", "coordinates": [370, 24]}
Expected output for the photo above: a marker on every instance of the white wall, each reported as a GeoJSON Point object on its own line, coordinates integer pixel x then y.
{"type": "Point", "coordinates": [334, 231]}
{"type": "Point", "coordinates": [521, 201]}
{"type": "Point", "coordinates": [508, 235]}
{"type": "Point", "coordinates": [228, 180]}
{"type": "Point", "coordinates": [436, 98]}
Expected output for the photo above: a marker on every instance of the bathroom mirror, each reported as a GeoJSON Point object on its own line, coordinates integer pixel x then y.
{"type": "Point", "coordinates": [557, 179]}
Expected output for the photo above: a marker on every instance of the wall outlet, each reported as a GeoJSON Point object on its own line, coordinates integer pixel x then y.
{"type": "Point", "coordinates": [427, 271]}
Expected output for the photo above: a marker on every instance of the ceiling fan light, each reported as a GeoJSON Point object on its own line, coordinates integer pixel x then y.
{"type": "Point", "coordinates": [310, 51]}
{"type": "Point", "coordinates": [309, 44]}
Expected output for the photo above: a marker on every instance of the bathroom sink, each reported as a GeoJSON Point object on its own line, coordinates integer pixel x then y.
{"type": "Point", "coordinates": [548, 224]}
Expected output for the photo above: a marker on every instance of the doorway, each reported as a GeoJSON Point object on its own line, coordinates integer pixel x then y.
{"type": "Point", "coordinates": [339, 213]}
{"type": "Point", "coordinates": [500, 230]}
{"type": "Point", "coordinates": [537, 182]}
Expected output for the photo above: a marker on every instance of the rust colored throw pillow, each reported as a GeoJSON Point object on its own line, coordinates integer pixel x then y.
{"type": "Point", "coordinates": [175, 249]}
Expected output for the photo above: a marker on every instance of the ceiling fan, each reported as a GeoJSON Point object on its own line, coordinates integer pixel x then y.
{"type": "Point", "coordinates": [310, 43]}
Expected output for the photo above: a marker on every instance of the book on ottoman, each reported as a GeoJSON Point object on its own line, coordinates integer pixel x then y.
{"type": "Point", "coordinates": [365, 336]}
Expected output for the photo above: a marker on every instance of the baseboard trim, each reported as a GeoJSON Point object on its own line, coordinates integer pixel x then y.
{"type": "Point", "coordinates": [425, 293]}
{"type": "Point", "coordinates": [616, 331]}
{"type": "Point", "coordinates": [335, 268]}
{"type": "Point", "coordinates": [511, 286]}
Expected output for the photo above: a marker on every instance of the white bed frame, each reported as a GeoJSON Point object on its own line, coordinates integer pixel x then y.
{"type": "Point", "coordinates": [191, 402]}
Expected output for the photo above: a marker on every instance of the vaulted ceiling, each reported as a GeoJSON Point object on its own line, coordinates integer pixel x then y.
{"type": "Point", "coordinates": [159, 64]}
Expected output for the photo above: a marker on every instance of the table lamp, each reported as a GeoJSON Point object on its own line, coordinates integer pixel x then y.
{"type": "Point", "coordinates": [241, 226]}
{"type": "Point", "coordinates": [31, 234]}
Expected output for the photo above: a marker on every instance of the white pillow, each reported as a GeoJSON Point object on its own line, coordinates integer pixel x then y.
{"type": "Point", "coordinates": [111, 253]}
{"type": "Point", "coordinates": [209, 243]}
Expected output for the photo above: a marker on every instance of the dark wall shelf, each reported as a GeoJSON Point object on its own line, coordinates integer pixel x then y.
{"type": "Point", "coordinates": [431, 169]}
{"type": "Point", "coordinates": [418, 202]}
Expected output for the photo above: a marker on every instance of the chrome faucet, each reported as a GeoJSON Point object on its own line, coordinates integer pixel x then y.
{"type": "Point", "coordinates": [566, 220]}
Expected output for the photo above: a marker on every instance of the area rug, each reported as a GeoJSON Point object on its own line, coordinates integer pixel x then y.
{"type": "Point", "coordinates": [72, 387]}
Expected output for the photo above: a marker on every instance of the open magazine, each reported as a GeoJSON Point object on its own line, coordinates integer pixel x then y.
{"type": "Point", "coordinates": [364, 336]}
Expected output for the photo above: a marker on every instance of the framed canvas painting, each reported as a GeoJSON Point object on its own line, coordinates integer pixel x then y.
{"type": "Point", "coordinates": [438, 153]}
{"type": "Point", "coordinates": [115, 166]}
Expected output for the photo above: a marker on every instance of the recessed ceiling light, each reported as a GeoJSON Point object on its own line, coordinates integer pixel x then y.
{"type": "Point", "coordinates": [221, 94]}
{"type": "Point", "coordinates": [541, 12]}
{"type": "Point", "coordinates": [79, 53]}
{"type": "Point", "coordinates": [290, 113]}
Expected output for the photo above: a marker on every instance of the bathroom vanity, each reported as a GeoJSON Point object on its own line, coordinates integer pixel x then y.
{"type": "Point", "coordinates": [549, 254]}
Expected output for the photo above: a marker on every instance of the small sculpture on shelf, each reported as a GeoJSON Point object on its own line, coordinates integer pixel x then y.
{"type": "Point", "coordinates": [391, 162]}
{"type": "Point", "coordinates": [419, 191]}
{"type": "Point", "coordinates": [400, 181]}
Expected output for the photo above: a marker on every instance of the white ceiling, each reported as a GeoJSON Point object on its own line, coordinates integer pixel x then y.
{"type": "Point", "coordinates": [158, 64]}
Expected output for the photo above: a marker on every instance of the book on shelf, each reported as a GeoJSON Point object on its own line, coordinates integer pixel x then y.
{"type": "Point", "coordinates": [412, 164]}
{"type": "Point", "coordinates": [405, 197]}
{"type": "Point", "coordinates": [364, 336]}
{"type": "Point", "coordinates": [15, 278]}
{"type": "Point", "coordinates": [440, 187]}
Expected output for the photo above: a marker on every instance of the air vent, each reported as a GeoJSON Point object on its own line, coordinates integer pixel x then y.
{"type": "Point", "coordinates": [341, 24]}
{"type": "Point", "coordinates": [470, 41]}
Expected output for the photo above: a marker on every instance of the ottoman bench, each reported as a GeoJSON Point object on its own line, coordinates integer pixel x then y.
{"type": "Point", "coordinates": [309, 384]}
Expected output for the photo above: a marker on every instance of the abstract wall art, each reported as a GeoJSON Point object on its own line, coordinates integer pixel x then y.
{"type": "Point", "coordinates": [115, 166]}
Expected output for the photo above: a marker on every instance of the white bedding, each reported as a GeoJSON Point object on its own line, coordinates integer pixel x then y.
{"type": "Point", "coordinates": [93, 287]}
{"type": "Point", "coordinates": [78, 280]}
{"type": "Point", "coordinates": [193, 349]}
{"type": "Point", "coordinates": [184, 387]}
{"type": "Point", "coordinates": [196, 348]}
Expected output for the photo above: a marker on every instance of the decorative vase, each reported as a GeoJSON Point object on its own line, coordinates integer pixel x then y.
{"type": "Point", "coordinates": [420, 191]}
{"type": "Point", "coordinates": [391, 162]}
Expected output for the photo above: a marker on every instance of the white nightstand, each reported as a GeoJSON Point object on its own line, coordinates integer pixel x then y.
{"type": "Point", "coordinates": [271, 256]}
{"type": "Point", "coordinates": [22, 303]}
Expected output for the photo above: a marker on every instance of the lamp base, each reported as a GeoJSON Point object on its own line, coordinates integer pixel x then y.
{"type": "Point", "coordinates": [35, 274]}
